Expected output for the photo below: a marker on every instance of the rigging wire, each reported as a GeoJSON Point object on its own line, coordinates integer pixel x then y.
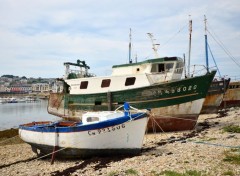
{"type": "Point", "coordinates": [180, 30]}
{"type": "Point", "coordinates": [214, 60]}
{"type": "Point", "coordinates": [164, 44]}
{"type": "Point", "coordinates": [220, 43]}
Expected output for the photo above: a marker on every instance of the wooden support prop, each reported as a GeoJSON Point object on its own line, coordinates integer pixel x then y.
{"type": "Point", "coordinates": [55, 148]}
{"type": "Point", "coordinates": [109, 99]}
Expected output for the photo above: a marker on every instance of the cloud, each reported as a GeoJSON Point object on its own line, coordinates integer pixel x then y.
{"type": "Point", "coordinates": [38, 36]}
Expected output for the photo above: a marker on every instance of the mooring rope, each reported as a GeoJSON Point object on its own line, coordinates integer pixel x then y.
{"type": "Point", "coordinates": [214, 144]}
{"type": "Point", "coordinates": [195, 142]}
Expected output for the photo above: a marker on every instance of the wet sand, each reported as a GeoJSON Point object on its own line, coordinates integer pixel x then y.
{"type": "Point", "coordinates": [203, 150]}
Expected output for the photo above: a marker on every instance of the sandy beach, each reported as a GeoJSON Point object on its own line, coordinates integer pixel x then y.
{"type": "Point", "coordinates": [210, 149]}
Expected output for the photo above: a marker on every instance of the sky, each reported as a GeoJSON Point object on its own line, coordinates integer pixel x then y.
{"type": "Point", "coordinates": [37, 37]}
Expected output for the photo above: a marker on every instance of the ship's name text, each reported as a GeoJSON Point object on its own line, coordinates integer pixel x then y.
{"type": "Point", "coordinates": [106, 130]}
{"type": "Point", "coordinates": [162, 91]}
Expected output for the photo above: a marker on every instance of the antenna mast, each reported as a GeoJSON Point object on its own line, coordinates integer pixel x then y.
{"type": "Point", "coordinates": [136, 58]}
{"type": "Point", "coordinates": [190, 43]}
{"type": "Point", "coordinates": [206, 43]}
{"type": "Point", "coordinates": [154, 46]}
{"type": "Point", "coordinates": [130, 46]}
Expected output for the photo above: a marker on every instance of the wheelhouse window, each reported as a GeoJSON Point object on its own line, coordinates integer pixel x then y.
{"type": "Point", "coordinates": [84, 85]}
{"type": "Point", "coordinates": [105, 83]}
{"type": "Point", "coordinates": [130, 81]}
{"type": "Point", "coordinates": [168, 67]}
{"type": "Point", "coordinates": [92, 119]}
{"type": "Point", "coordinates": [179, 67]}
{"type": "Point", "coordinates": [161, 68]}
{"type": "Point", "coordinates": [157, 68]}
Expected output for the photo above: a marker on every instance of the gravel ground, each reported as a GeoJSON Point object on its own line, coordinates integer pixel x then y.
{"type": "Point", "coordinates": [202, 151]}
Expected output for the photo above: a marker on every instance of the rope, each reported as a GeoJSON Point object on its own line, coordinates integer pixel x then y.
{"type": "Point", "coordinates": [176, 118]}
{"type": "Point", "coordinates": [219, 145]}
{"type": "Point", "coordinates": [196, 142]}
{"type": "Point", "coordinates": [154, 121]}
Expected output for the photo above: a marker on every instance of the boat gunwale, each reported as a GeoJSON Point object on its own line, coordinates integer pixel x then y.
{"type": "Point", "coordinates": [52, 128]}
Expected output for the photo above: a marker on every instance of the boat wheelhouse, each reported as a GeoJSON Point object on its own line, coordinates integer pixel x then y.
{"type": "Point", "coordinates": [130, 76]}
{"type": "Point", "coordinates": [167, 68]}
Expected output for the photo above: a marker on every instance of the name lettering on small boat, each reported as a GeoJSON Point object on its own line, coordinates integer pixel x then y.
{"type": "Point", "coordinates": [105, 130]}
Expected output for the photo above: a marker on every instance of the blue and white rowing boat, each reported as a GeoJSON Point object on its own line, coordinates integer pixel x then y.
{"type": "Point", "coordinates": [99, 134]}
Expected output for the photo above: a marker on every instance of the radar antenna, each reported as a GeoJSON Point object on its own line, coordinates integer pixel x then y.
{"type": "Point", "coordinates": [154, 45]}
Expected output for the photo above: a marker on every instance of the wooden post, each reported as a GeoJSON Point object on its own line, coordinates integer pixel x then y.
{"type": "Point", "coordinates": [55, 148]}
{"type": "Point", "coordinates": [109, 99]}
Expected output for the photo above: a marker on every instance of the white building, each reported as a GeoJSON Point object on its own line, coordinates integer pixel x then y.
{"type": "Point", "coordinates": [57, 86]}
{"type": "Point", "coordinates": [40, 87]}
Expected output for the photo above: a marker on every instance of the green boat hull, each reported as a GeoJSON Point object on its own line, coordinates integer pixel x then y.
{"type": "Point", "coordinates": [175, 105]}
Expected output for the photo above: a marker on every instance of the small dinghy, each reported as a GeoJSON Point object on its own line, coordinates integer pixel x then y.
{"type": "Point", "coordinates": [99, 134]}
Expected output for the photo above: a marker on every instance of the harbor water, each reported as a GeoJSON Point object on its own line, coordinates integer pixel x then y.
{"type": "Point", "coordinates": [14, 114]}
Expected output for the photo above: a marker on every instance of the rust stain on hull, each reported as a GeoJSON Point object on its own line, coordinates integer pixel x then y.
{"type": "Point", "coordinates": [232, 96]}
{"type": "Point", "coordinates": [212, 103]}
{"type": "Point", "coordinates": [178, 117]}
{"type": "Point", "coordinates": [177, 123]}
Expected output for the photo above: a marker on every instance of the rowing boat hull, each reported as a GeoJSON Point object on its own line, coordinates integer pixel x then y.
{"type": "Point", "coordinates": [76, 142]}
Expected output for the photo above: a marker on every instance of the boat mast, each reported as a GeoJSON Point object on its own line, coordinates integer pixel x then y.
{"type": "Point", "coordinates": [184, 61]}
{"type": "Point", "coordinates": [190, 42]}
{"type": "Point", "coordinates": [206, 44]}
{"type": "Point", "coordinates": [155, 46]}
{"type": "Point", "coordinates": [130, 46]}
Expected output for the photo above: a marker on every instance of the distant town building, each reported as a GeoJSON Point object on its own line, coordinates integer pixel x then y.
{"type": "Point", "coordinates": [40, 87]}
{"type": "Point", "coordinates": [57, 86]}
{"type": "Point", "coordinates": [3, 88]}
{"type": "Point", "coordinates": [18, 88]}
{"type": "Point", "coordinates": [23, 81]}
{"type": "Point", "coordinates": [16, 84]}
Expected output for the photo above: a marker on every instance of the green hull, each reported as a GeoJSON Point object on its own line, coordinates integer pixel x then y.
{"type": "Point", "coordinates": [153, 97]}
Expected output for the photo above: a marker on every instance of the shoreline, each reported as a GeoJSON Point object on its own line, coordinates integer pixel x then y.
{"type": "Point", "coordinates": [203, 151]}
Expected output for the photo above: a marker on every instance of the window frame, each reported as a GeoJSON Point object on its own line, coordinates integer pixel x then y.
{"type": "Point", "coordinates": [84, 85]}
{"type": "Point", "coordinates": [105, 83]}
{"type": "Point", "coordinates": [130, 81]}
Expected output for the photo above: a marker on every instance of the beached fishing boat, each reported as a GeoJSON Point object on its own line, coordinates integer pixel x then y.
{"type": "Point", "coordinates": [215, 95]}
{"type": "Point", "coordinates": [98, 134]}
{"type": "Point", "coordinates": [155, 83]}
{"type": "Point", "coordinates": [232, 95]}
